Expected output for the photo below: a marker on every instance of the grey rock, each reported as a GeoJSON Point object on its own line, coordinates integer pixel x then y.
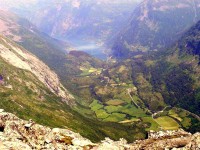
{"type": "Point", "coordinates": [16, 136]}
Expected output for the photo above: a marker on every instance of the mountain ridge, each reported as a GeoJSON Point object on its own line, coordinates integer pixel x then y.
{"type": "Point", "coordinates": [97, 19]}
{"type": "Point", "coordinates": [24, 60]}
{"type": "Point", "coordinates": [150, 27]}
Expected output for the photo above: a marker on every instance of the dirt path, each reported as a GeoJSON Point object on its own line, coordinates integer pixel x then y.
{"type": "Point", "coordinates": [129, 91]}
{"type": "Point", "coordinates": [154, 114]}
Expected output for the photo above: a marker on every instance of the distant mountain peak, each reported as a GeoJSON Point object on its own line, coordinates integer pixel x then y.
{"type": "Point", "coordinates": [157, 24]}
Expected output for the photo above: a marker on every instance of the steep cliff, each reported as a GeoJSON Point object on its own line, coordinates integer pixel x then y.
{"type": "Point", "coordinates": [20, 58]}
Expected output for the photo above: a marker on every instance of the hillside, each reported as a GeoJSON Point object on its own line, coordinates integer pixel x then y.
{"type": "Point", "coordinates": [190, 42]}
{"type": "Point", "coordinates": [30, 89]}
{"type": "Point", "coordinates": [23, 60]}
{"type": "Point", "coordinates": [181, 71]}
{"type": "Point", "coordinates": [186, 55]}
{"type": "Point", "coordinates": [124, 92]}
{"type": "Point", "coordinates": [47, 49]}
{"type": "Point", "coordinates": [173, 73]}
{"type": "Point", "coordinates": [155, 25]}
{"type": "Point", "coordinates": [160, 89]}
{"type": "Point", "coordinates": [20, 30]}
{"type": "Point", "coordinates": [79, 19]}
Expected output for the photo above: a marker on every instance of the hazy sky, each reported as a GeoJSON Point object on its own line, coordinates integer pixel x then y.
{"type": "Point", "coordinates": [12, 3]}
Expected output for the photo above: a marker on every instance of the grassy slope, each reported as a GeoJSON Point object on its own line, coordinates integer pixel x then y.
{"type": "Point", "coordinates": [29, 98]}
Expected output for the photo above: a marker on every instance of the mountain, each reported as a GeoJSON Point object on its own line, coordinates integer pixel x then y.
{"type": "Point", "coordinates": [23, 135]}
{"type": "Point", "coordinates": [186, 55]}
{"type": "Point", "coordinates": [85, 24]}
{"type": "Point", "coordinates": [107, 93]}
{"type": "Point", "coordinates": [190, 42]}
{"type": "Point", "coordinates": [160, 86]}
{"type": "Point", "coordinates": [155, 25]}
{"type": "Point", "coordinates": [22, 59]}
{"type": "Point", "coordinates": [133, 91]}
{"type": "Point", "coordinates": [47, 49]}
{"type": "Point", "coordinates": [182, 60]}
{"type": "Point", "coordinates": [80, 19]}
{"type": "Point", "coordinates": [30, 89]}
{"type": "Point", "coordinates": [171, 73]}
{"type": "Point", "coordinates": [27, 35]}
{"type": "Point", "coordinates": [155, 91]}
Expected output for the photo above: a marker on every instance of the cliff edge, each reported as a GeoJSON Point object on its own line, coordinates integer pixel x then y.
{"type": "Point", "coordinates": [18, 134]}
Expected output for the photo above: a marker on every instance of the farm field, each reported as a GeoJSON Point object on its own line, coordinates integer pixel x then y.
{"type": "Point", "coordinates": [167, 123]}
{"type": "Point", "coordinates": [153, 124]}
{"type": "Point", "coordinates": [117, 110]}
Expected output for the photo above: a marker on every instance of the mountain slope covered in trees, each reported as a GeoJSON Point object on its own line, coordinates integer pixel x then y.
{"type": "Point", "coordinates": [155, 25]}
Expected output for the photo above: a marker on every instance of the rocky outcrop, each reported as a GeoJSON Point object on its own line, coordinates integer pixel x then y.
{"type": "Point", "coordinates": [22, 59]}
{"type": "Point", "coordinates": [24, 135]}
{"type": "Point", "coordinates": [18, 134]}
{"type": "Point", "coordinates": [161, 140]}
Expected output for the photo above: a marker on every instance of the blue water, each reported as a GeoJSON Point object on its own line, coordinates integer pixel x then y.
{"type": "Point", "coordinates": [90, 47]}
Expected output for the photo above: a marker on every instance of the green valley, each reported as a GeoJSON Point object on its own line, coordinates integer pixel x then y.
{"type": "Point", "coordinates": [23, 94]}
{"type": "Point", "coordinates": [149, 81]}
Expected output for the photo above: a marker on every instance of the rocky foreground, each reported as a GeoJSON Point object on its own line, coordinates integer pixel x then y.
{"type": "Point", "coordinates": [17, 134]}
